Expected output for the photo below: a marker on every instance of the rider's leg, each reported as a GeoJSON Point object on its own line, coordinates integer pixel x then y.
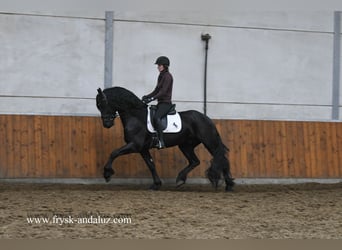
{"type": "Point", "coordinates": [162, 110]}
{"type": "Point", "coordinates": [160, 136]}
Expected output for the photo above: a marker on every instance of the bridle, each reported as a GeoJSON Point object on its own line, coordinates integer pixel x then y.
{"type": "Point", "coordinates": [110, 117]}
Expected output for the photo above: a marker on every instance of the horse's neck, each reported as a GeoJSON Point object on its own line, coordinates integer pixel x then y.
{"type": "Point", "coordinates": [137, 114]}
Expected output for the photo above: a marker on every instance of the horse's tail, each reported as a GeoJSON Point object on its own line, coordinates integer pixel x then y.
{"type": "Point", "coordinates": [209, 136]}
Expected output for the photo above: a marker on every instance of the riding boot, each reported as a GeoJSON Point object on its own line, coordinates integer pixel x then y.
{"type": "Point", "coordinates": [161, 141]}
{"type": "Point", "coordinates": [160, 136]}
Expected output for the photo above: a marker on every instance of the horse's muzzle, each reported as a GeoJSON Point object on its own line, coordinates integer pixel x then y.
{"type": "Point", "coordinates": [108, 120]}
{"type": "Point", "coordinates": [108, 123]}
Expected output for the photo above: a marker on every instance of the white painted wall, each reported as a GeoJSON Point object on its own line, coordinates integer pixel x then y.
{"type": "Point", "coordinates": [50, 65]}
{"type": "Point", "coordinates": [261, 65]}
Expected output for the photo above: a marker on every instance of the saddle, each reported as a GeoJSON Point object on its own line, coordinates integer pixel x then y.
{"type": "Point", "coordinates": [171, 123]}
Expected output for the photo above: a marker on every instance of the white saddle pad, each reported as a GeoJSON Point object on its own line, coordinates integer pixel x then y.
{"type": "Point", "coordinates": [174, 123]}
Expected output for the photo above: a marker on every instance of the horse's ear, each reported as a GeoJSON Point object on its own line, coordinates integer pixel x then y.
{"type": "Point", "coordinates": [103, 96]}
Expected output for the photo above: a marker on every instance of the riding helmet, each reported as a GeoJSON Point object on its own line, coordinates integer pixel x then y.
{"type": "Point", "coordinates": [163, 60]}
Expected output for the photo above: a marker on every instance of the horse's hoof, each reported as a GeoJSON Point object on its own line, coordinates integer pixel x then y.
{"type": "Point", "coordinates": [229, 185]}
{"type": "Point", "coordinates": [154, 187]}
{"type": "Point", "coordinates": [107, 174]}
{"type": "Point", "coordinates": [180, 183]}
{"type": "Point", "coordinates": [181, 179]}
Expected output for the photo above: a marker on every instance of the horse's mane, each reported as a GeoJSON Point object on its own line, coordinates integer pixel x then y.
{"type": "Point", "coordinates": [123, 98]}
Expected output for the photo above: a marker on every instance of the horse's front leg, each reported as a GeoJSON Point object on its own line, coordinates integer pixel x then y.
{"type": "Point", "coordinates": [108, 170]}
{"type": "Point", "coordinates": [149, 162]}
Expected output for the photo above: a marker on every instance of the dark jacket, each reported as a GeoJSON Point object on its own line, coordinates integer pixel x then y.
{"type": "Point", "coordinates": [163, 90]}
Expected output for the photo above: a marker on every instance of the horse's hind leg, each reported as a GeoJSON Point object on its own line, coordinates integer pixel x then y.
{"type": "Point", "coordinates": [188, 151]}
{"type": "Point", "coordinates": [149, 162]}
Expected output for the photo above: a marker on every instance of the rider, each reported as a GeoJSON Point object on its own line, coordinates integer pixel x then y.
{"type": "Point", "coordinates": [163, 93]}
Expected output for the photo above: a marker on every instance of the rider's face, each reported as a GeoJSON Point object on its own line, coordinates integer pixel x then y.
{"type": "Point", "coordinates": [160, 68]}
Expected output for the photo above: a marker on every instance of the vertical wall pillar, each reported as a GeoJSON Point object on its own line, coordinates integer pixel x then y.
{"type": "Point", "coordinates": [108, 71]}
{"type": "Point", "coordinates": [336, 66]}
{"type": "Point", "coordinates": [205, 38]}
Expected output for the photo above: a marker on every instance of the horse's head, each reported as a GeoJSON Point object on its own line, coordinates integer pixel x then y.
{"type": "Point", "coordinates": [107, 113]}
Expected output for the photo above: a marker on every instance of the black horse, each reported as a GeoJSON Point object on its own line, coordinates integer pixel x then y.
{"type": "Point", "coordinates": [196, 128]}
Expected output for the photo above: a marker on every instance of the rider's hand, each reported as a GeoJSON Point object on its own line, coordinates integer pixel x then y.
{"type": "Point", "coordinates": [147, 100]}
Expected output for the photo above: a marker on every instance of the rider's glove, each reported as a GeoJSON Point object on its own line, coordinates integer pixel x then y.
{"type": "Point", "coordinates": [147, 100]}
